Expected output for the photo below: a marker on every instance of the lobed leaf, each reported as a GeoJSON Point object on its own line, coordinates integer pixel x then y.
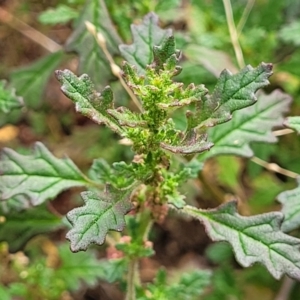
{"type": "Point", "coordinates": [37, 177]}
{"type": "Point", "coordinates": [290, 201]}
{"type": "Point", "coordinates": [145, 36]}
{"type": "Point", "coordinates": [8, 99]}
{"type": "Point", "coordinates": [231, 93]}
{"type": "Point", "coordinates": [20, 226]}
{"type": "Point", "coordinates": [101, 213]}
{"type": "Point", "coordinates": [30, 81]}
{"type": "Point", "coordinates": [253, 124]}
{"type": "Point", "coordinates": [92, 59]}
{"type": "Point", "coordinates": [254, 239]}
{"type": "Point", "coordinates": [87, 101]}
{"type": "Point", "coordinates": [293, 123]}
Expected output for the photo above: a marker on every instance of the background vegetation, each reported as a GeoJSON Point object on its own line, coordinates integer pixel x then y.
{"type": "Point", "coordinates": [38, 37]}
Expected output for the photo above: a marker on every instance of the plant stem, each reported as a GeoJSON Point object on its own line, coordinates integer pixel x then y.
{"type": "Point", "coordinates": [132, 279]}
{"type": "Point", "coordinates": [274, 167]}
{"type": "Point", "coordinates": [245, 16]}
{"type": "Point", "coordinates": [28, 31]}
{"type": "Point", "coordinates": [283, 131]}
{"type": "Point", "coordinates": [285, 289]}
{"type": "Point", "coordinates": [233, 33]}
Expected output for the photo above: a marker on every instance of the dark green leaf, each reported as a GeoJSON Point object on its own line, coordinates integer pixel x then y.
{"type": "Point", "coordinates": [290, 201]}
{"type": "Point", "coordinates": [8, 99]}
{"type": "Point", "coordinates": [253, 239]}
{"type": "Point", "coordinates": [101, 213]}
{"type": "Point", "coordinates": [19, 227]}
{"type": "Point", "coordinates": [58, 15]}
{"type": "Point", "coordinates": [30, 81]}
{"type": "Point", "coordinates": [37, 177]}
{"type": "Point", "coordinates": [91, 57]}
{"type": "Point", "coordinates": [87, 101]}
{"type": "Point", "coordinates": [253, 124]}
{"type": "Point", "coordinates": [293, 122]}
{"type": "Point", "coordinates": [231, 93]}
{"type": "Point", "coordinates": [145, 36]}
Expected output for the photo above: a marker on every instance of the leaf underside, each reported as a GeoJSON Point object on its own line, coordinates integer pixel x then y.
{"type": "Point", "coordinates": [37, 177]}
{"type": "Point", "coordinates": [254, 239]}
{"type": "Point", "coordinates": [290, 201]}
{"type": "Point", "coordinates": [253, 124]}
{"type": "Point", "coordinates": [101, 213]}
{"type": "Point", "coordinates": [145, 36]}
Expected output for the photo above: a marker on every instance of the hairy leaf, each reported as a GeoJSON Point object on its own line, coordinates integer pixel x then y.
{"type": "Point", "coordinates": [91, 57]}
{"type": "Point", "coordinates": [293, 122]}
{"type": "Point", "coordinates": [87, 101]}
{"type": "Point", "coordinates": [253, 239]}
{"type": "Point", "coordinates": [231, 93]}
{"type": "Point", "coordinates": [101, 213]}
{"type": "Point", "coordinates": [290, 201]}
{"type": "Point", "coordinates": [145, 36]}
{"type": "Point", "coordinates": [30, 81]}
{"type": "Point", "coordinates": [38, 177]}
{"type": "Point", "coordinates": [8, 99]}
{"type": "Point", "coordinates": [19, 227]}
{"type": "Point", "coordinates": [253, 124]}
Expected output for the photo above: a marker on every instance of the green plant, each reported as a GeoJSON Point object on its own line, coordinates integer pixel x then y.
{"type": "Point", "coordinates": [176, 130]}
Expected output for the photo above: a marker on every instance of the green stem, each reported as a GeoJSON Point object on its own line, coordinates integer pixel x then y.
{"type": "Point", "coordinates": [132, 279]}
